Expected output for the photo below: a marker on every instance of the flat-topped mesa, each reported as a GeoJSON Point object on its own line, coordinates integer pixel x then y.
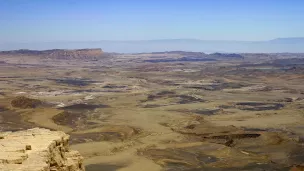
{"type": "Point", "coordinates": [58, 53]}
{"type": "Point", "coordinates": [38, 149]}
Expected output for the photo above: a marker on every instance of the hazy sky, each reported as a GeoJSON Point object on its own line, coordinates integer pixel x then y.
{"type": "Point", "coordinates": [85, 20]}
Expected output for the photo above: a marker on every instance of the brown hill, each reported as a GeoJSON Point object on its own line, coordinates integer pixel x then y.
{"type": "Point", "coordinates": [74, 54]}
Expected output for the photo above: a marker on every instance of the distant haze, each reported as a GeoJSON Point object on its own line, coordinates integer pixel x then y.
{"type": "Point", "coordinates": [127, 20]}
{"type": "Point", "coordinates": [280, 45]}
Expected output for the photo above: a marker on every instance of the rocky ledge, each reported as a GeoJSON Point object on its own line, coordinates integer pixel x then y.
{"type": "Point", "coordinates": [38, 149]}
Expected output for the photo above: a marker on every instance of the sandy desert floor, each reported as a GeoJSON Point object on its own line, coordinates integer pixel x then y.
{"type": "Point", "coordinates": [124, 114]}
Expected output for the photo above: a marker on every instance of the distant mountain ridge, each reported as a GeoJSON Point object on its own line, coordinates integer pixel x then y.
{"type": "Point", "coordinates": [279, 45]}
{"type": "Point", "coordinates": [289, 40]}
{"type": "Point", "coordinates": [58, 53]}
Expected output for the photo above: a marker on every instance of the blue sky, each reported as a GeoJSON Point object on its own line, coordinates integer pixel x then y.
{"type": "Point", "coordinates": [91, 20]}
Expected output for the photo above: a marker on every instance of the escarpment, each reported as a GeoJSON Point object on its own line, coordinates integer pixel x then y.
{"type": "Point", "coordinates": [38, 150]}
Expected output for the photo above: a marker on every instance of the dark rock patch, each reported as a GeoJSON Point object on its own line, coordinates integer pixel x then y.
{"type": "Point", "coordinates": [235, 136]}
{"type": "Point", "coordinates": [206, 112]}
{"type": "Point", "coordinates": [251, 104]}
{"type": "Point", "coordinates": [253, 129]}
{"type": "Point", "coordinates": [9, 77]}
{"type": "Point", "coordinates": [152, 106]}
{"type": "Point", "coordinates": [179, 158]}
{"type": "Point", "coordinates": [257, 106]}
{"type": "Point", "coordinates": [226, 107]}
{"type": "Point", "coordinates": [218, 86]}
{"type": "Point", "coordinates": [229, 139]}
{"type": "Point", "coordinates": [2, 109]}
{"type": "Point", "coordinates": [24, 102]}
{"type": "Point", "coordinates": [174, 98]}
{"type": "Point", "coordinates": [115, 133]}
{"type": "Point", "coordinates": [73, 81]}
{"type": "Point", "coordinates": [72, 119]}
{"type": "Point", "coordinates": [165, 93]}
{"type": "Point", "coordinates": [77, 115]}
{"type": "Point", "coordinates": [114, 86]}
{"type": "Point", "coordinates": [158, 95]}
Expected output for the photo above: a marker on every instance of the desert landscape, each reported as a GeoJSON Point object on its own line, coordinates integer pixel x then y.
{"type": "Point", "coordinates": [172, 111]}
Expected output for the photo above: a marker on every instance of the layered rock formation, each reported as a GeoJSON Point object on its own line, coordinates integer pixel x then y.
{"type": "Point", "coordinates": [38, 150]}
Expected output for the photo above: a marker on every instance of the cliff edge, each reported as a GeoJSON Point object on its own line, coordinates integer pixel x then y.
{"type": "Point", "coordinates": [38, 149]}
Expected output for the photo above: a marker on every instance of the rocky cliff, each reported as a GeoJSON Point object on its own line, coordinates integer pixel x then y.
{"type": "Point", "coordinates": [38, 150]}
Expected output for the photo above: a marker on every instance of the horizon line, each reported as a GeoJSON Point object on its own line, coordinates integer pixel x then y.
{"type": "Point", "coordinates": [176, 39]}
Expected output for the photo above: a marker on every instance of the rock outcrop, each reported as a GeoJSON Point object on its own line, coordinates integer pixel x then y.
{"type": "Point", "coordinates": [38, 149]}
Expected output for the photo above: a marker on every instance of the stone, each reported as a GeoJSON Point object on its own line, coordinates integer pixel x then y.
{"type": "Point", "coordinates": [38, 149]}
{"type": "Point", "coordinates": [28, 147]}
